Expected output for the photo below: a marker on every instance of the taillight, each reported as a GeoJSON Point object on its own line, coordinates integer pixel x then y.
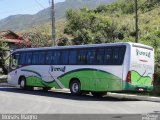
{"type": "Point", "coordinates": [128, 78]}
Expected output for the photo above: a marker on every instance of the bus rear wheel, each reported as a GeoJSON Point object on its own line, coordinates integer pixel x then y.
{"type": "Point", "coordinates": [75, 87]}
{"type": "Point", "coordinates": [98, 94]}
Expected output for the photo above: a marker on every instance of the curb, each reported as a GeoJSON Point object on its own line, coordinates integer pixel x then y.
{"type": "Point", "coordinates": [134, 97]}
{"type": "Point", "coordinates": [6, 85]}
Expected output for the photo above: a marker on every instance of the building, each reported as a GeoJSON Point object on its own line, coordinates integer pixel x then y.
{"type": "Point", "coordinates": [14, 40]}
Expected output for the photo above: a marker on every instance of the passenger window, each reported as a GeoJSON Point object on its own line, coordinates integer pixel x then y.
{"type": "Point", "coordinates": [82, 57]}
{"type": "Point", "coordinates": [41, 58]}
{"type": "Point", "coordinates": [100, 56]}
{"type": "Point", "coordinates": [49, 58]}
{"type": "Point", "coordinates": [38, 58]}
{"type": "Point", "coordinates": [116, 56]}
{"type": "Point", "coordinates": [72, 57]}
{"type": "Point", "coordinates": [64, 57]}
{"type": "Point", "coordinates": [56, 58]}
{"type": "Point", "coordinates": [91, 57]}
{"type": "Point", "coordinates": [35, 58]}
{"type": "Point", "coordinates": [108, 56]}
{"type": "Point", "coordinates": [121, 54]}
{"type": "Point", "coordinates": [22, 59]}
{"type": "Point", "coordinates": [28, 58]}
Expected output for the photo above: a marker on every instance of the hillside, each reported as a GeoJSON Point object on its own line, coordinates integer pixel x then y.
{"type": "Point", "coordinates": [19, 22]}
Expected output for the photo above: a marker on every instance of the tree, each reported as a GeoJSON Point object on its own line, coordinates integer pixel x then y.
{"type": "Point", "coordinates": [87, 27]}
{"type": "Point", "coordinates": [3, 49]}
{"type": "Point", "coordinates": [3, 44]}
{"type": "Point", "coordinates": [62, 41]}
{"type": "Point", "coordinates": [38, 39]}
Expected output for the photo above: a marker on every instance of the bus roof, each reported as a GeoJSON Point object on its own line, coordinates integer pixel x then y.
{"type": "Point", "coordinates": [85, 46]}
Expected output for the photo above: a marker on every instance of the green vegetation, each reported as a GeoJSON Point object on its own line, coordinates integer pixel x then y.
{"type": "Point", "coordinates": [3, 44]}
{"type": "Point", "coordinates": [38, 36]}
{"type": "Point", "coordinates": [115, 23]}
{"type": "Point", "coordinates": [3, 53]}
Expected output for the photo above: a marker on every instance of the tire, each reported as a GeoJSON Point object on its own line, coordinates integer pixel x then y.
{"type": "Point", "coordinates": [98, 94]}
{"type": "Point", "coordinates": [75, 87]}
{"type": "Point", "coordinates": [23, 83]}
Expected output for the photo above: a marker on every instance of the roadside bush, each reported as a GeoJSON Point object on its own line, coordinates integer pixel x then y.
{"type": "Point", "coordinates": [156, 89]}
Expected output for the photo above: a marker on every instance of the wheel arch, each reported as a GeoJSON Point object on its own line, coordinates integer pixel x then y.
{"type": "Point", "coordinates": [20, 77]}
{"type": "Point", "coordinates": [73, 79]}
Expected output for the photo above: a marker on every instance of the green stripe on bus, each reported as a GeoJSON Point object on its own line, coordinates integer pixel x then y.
{"type": "Point", "coordinates": [93, 80]}
{"type": "Point", "coordinates": [38, 82]}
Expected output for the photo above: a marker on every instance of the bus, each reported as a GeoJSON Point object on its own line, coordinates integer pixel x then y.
{"type": "Point", "coordinates": [96, 68]}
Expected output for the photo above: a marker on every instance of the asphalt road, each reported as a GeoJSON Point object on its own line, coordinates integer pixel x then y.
{"type": "Point", "coordinates": [14, 100]}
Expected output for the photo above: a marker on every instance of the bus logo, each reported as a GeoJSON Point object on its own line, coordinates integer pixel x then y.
{"type": "Point", "coordinates": [141, 53]}
{"type": "Point", "coordinates": [62, 69]}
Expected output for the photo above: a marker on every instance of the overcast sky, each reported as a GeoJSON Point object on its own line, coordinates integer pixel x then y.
{"type": "Point", "coordinates": [13, 7]}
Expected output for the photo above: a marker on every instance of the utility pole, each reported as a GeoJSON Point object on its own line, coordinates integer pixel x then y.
{"type": "Point", "coordinates": [136, 21]}
{"type": "Point", "coordinates": [53, 24]}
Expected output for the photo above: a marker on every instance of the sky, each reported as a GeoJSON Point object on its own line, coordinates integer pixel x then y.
{"type": "Point", "coordinates": [13, 7]}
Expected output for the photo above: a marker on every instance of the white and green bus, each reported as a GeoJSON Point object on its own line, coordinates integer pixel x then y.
{"type": "Point", "coordinates": [99, 68]}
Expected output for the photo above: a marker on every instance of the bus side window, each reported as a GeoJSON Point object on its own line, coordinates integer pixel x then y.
{"type": "Point", "coordinates": [41, 58]}
{"type": "Point", "coordinates": [15, 61]}
{"type": "Point", "coordinates": [56, 58]}
{"type": "Point", "coordinates": [91, 57]}
{"type": "Point", "coordinates": [35, 58]}
{"type": "Point", "coordinates": [116, 59]}
{"type": "Point", "coordinates": [108, 56]}
{"type": "Point", "coordinates": [38, 58]}
{"type": "Point", "coordinates": [64, 57]}
{"type": "Point", "coordinates": [122, 51]}
{"type": "Point", "coordinates": [22, 59]}
{"type": "Point", "coordinates": [28, 58]}
{"type": "Point", "coordinates": [118, 55]}
{"type": "Point", "coordinates": [82, 57]}
{"type": "Point", "coordinates": [72, 57]}
{"type": "Point", "coordinates": [49, 58]}
{"type": "Point", "coordinates": [100, 56]}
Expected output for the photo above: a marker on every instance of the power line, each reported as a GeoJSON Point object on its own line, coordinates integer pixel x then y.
{"type": "Point", "coordinates": [39, 4]}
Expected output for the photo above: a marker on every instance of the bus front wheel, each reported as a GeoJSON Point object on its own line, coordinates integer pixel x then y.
{"type": "Point", "coordinates": [23, 83]}
{"type": "Point", "coordinates": [75, 87]}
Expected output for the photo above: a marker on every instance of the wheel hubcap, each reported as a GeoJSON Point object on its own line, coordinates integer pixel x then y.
{"type": "Point", "coordinates": [22, 83]}
{"type": "Point", "coordinates": [75, 87]}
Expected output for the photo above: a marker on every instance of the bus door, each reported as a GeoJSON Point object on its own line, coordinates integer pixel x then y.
{"type": "Point", "coordinates": [14, 60]}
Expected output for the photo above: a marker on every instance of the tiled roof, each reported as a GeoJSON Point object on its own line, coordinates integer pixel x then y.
{"type": "Point", "coordinates": [14, 41]}
{"type": "Point", "coordinates": [3, 33]}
